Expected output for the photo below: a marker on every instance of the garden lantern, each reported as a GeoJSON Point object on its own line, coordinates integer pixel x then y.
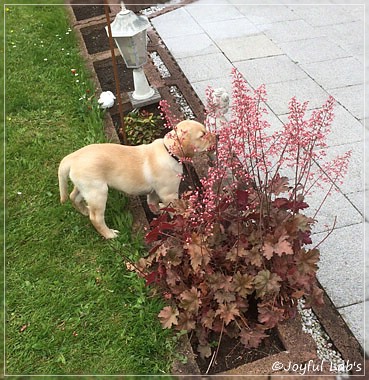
{"type": "Point", "coordinates": [130, 34]}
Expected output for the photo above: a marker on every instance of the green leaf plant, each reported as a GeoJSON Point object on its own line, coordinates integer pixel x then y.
{"type": "Point", "coordinates": [142, 127]}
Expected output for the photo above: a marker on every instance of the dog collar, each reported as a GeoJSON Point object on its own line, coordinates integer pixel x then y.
{"type": "Point", "coordinates": [173, 155]}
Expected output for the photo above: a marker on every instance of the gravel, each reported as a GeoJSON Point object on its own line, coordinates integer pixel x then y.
{"type": "Point", "coordinates": [181, 101]}
{"type": "Point", "coordinates": [150, 10]}
{"type": "Point", "coordinates": [159, 64]}
{"type": "Point", "coordinates": [325, 348]}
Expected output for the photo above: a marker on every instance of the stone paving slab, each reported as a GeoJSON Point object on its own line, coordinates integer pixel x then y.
{"type": "Point", "coordinates": [270, 70]}
{"type": "Point", "coordinates": [341, 72]}
{"type": "Point", "coordinates": [358, 201]}
{"type": "Point", "coordinates": [204, 12]}
{"type": "Point", "coordinates": [341, 265]}
{"type": "Point", "coordinates": [175, 24]}
{"type": "Point", "coordinates": [279, 94]}
{"type": "Point", "coordinates": [262, 14]}
{"type": "Point", "coordinates": [354, 317]}
{"type": "Point", "coordinates": [226, 29]}
{"type": "Point", "coordinates": [313, 50]}
{"type": "Point", "coordinates": [204, 67]}
{"type": "Point", "coordinates": [324, 15]}
{"type": "Point", "coordinates": [291, 30]}
{"type": "Point", "coordinates": [248, 47]}
{"type": "Point", "coordinates": [191, 45]}
{"type": "Point", "coordinates": [308, 51]}
{"type": "Point", "coordinates": [346, 214]}
{"type": "Point", "coordinates": [342, 36]}
{"type": "Point", "coordinates": [352, 98]}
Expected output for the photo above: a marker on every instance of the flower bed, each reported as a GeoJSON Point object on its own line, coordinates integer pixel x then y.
{"type": "Point", "coordinates": [235, 255]}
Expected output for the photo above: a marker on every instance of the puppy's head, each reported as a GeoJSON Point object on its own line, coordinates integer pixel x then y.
{"type": "Point", "coordinates": [189, 137]}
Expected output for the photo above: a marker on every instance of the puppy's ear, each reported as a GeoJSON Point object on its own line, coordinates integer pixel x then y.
{"type": "Point", "coordinates": [186, 146]}
{"type": "Point", "coordinates": [179, 142]}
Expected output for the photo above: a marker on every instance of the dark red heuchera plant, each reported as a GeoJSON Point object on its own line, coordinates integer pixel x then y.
{"type": "Point", "coordinates": [232, 257]}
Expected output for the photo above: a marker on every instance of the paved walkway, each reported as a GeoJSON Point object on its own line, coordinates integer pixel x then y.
{"type": "Point", "coordinates": [309, 51]}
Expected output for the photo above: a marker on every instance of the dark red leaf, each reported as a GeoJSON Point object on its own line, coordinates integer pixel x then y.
{"type": "Point", "coordinates": [281, 203]}
{"type": "Point", "coordinates": [151, 278]}
{"type": "Point", "coordinates": [242, 197]}
{"type": "Point", "coordinates": [152, 236]}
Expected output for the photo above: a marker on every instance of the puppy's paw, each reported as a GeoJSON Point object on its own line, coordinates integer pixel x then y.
{"type": "Point", "coordinates": [154, 208]}
{"type": "Point", "coordinates": [111, 234]}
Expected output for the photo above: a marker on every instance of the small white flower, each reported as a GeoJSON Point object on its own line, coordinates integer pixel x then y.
{"type": "Point", "coordinates": [77, 81]}
{"type": "Point", "coordinates": [45, 59]}
{"type": "Point", "coordinates": [19, 192]}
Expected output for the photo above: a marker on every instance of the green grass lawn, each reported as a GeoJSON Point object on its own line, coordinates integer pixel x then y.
{"type": "Point", "coordinates": [71, 305]}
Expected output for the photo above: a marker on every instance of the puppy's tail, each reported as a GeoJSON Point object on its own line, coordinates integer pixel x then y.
{"type": "Point", "coordinates": [63, 173]}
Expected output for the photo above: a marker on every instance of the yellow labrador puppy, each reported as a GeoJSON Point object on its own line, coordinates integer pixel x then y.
{"type": "Point", "coordinates": [153, 169]}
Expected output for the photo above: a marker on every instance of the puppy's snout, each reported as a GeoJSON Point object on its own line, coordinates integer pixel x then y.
{"type": "Point", "coordinates": [213, 138]}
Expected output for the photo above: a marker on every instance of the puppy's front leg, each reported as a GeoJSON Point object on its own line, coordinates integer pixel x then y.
{"type": "Point", "coordinates": [167, 199]}
{"type": "Point", "coordinates": [153, 202]}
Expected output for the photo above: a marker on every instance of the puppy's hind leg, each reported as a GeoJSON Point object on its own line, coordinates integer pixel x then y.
{"type": "Point", "coordinates": [78, 201]}
{"type": "Point", "coordinates": [96, 201]}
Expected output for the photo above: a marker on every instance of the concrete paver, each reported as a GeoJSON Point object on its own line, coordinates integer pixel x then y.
{"type": "Point", "coordinates": [352, 98]}
{"type": "Point", "coordinates": [313, 50]}
{"type": "Point", "coordinates": [213, 12]}
{"type": "Point", "coordinates": [227, 29]}
{"type": "Point", "coordinates": [340, 268]}
{"type": "Point", "coordinates": [270, 70]}
{"type": "Point", "coordinates": [354, 317]}
{"type": "Point", "coordinates": [191, 45]}
{"type": "Point", "coordinates": [261, 14]}
{"type": "Point", "coordinates": [293, 30]}
{"type": "Point", "coordinates": [336, 73]}
{"type": "Point", "coordinates": [248, 47]}
{"type": "Point", "coordinates": [323, 15]}
{"type": "Point", "coordinates": [279, 94]}
{"type": "Point", "coordinates": [204, 67]}
{"type": "Point", "coordinates": [176, 23]}
{"type": "Point", "coordinates": [328, 211]}
{"type": "Point", "coordinates": [308, 51]}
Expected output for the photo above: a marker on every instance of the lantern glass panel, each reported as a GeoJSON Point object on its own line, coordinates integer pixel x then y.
{"type": "Point", "coordinates": [133, 49]}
